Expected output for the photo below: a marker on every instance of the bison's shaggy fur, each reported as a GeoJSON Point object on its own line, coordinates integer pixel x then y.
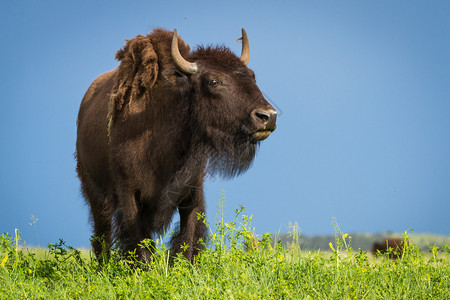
{"type": "Point", "coordinates": [148, 133]}
{"type": "Point", "coordinates": [393, 245]}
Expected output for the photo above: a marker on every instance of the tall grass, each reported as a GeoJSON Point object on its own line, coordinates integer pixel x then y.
{"type": "Point", "coordinates": [225, 271]}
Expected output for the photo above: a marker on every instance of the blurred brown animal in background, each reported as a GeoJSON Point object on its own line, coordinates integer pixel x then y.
{"type": "Point", "coordinates": [395, 244]}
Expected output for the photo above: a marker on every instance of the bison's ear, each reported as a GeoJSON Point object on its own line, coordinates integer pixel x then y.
{"type": "Point", "coordinates": [137, 72]}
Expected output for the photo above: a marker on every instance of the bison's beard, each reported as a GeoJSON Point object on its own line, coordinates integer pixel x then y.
{"type": "Point", "coordinates": [230, 154]}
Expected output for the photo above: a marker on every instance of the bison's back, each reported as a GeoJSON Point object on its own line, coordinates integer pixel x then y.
{"type": "Point", "coordinates": [92, 134]}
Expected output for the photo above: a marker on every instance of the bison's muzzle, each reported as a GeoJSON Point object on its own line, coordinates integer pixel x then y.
{"type": "Point", "coordinates": [265, 122]}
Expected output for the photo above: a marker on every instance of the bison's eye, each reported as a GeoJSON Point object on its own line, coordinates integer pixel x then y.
{"type": "Point", "coordinates": [214, 82]}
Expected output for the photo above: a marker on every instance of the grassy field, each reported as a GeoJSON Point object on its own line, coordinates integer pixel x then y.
{"type": "Point", "coordinates": [225, 271]}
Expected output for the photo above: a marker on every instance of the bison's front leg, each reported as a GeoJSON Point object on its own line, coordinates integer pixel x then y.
{"type": "Point", "coordinates": [191, 227]}
{"type": "Point", "coordinates": [130, 229]}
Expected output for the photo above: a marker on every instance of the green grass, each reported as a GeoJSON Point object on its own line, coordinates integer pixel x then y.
{"type": "Point", "coordinates": [225, 271]}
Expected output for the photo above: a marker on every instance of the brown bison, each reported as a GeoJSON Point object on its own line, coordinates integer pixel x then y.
{"type": "Point", "coordinates": [394, 244]}
{"type": "Point", "coordinates": [150, 130]}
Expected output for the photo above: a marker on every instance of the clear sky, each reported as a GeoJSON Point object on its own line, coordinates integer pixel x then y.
{"type": "Point", "coordinates": [362, 89]}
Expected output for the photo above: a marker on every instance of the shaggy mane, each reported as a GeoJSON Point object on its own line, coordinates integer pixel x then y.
{"type": "Point", "coordinates": [217, 56]}
{"type": "Point", "coordinates": [142, 59]}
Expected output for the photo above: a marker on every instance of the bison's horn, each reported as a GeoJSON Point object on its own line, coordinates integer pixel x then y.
{"type": "Point", "coordinates": [245, 54]}
{"type": "Point", "coordinates": [184, 65]}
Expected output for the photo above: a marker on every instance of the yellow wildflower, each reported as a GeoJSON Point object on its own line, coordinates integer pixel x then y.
{"type": "Point", "coordinates": [4, 260]}
{"type": "Point", "coordinates": [331, 246]}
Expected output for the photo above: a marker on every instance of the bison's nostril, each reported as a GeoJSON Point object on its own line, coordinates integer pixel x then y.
{"type": "Point", "coordinates": [264, 117]}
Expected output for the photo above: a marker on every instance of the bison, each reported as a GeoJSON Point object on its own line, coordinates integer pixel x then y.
{"type": "Point", "coordinates": [393, 246]}
{"type": "Point", "coordinates": [149, 131]}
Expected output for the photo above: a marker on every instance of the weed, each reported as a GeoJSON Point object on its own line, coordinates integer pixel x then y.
{"type": "Point", "coordinates": [225, 270]}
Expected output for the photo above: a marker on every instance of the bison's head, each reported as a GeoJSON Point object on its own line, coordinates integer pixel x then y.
{"type": "Point", "coordinates": [230, 110]}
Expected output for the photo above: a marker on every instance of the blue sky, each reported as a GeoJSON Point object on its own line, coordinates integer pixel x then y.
{"type": "Point", "coordinates": [363, 91]}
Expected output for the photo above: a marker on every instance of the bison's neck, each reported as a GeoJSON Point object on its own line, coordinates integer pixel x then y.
{"type": "Point", "coordinates": [166, 132]}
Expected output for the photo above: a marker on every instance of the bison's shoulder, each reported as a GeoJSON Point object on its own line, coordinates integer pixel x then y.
{"type": "Point", "coordinates": [99, 85]}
